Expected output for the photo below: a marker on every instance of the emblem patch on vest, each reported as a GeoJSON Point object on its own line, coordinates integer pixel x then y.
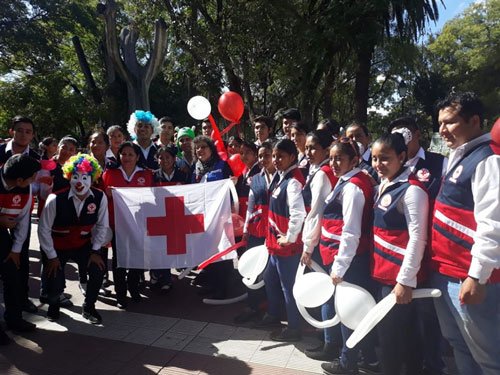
{"type": "Point", "coordinates": [385, 202]}
{"type": "Point", "coordinates": [91, 208]}
{"type": "Point", "coordinates": [276, 192]}
{"type": "Point", "coordinates": [457, 173]}
{"type": "Point", "coordinates": [141, 180]}
{"type": "Point", "coordinates": [423, 175]}
{"type": "Point", "coordinates": [16, 200]}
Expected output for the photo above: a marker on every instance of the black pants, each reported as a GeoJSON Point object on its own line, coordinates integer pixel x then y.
{"type": "Point", "coordinates": [55, 284]}
{"type": "Point", "coordinates": [24, 267]}
{"type": "Point", "coordinates": [398, 338]}
{"type": "Point", "coordinates": [124, 278]}
{"type": "Point", "coordinates": [11, 277]}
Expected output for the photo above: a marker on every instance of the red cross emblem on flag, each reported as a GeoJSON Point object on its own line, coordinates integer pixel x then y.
{"type": "Point", "coordinates": [175, 225]}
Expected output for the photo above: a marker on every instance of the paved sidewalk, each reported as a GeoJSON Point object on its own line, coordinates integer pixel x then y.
{"type": "Point", "coordinates": [163, 334]}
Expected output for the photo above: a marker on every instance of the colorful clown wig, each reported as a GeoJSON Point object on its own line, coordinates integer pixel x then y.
{"type": "Point", "coordinates": [82, 163]}
{"type": "Point", "coordinates": [145, 117]}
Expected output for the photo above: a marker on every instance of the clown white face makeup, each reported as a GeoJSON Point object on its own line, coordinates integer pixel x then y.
{"type": "Point", "coordinates": [80, 183]}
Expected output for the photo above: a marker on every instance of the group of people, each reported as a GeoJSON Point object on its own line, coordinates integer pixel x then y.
{"type": "Point", "coordinates": [387, 216]}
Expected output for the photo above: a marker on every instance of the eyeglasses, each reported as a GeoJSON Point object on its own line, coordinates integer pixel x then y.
{"type": "Point", "coordinates": [349, 141]}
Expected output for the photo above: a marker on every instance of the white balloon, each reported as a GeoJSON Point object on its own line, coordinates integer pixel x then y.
{"type": "Point", "coordinates": [199, 107]}
{"type": "Point", "coordinates": [305, 314]}
{"type": "Point", "coordinates": [313, 289]}
{"type": "Point", "coordinates": [352, 303]}
{"type": "Point", "coordinates": [253, 262]}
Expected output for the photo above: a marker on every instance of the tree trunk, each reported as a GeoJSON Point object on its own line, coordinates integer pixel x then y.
{"type": "Point", "coordinates": [137, 77]}
{"type": "Point", "coordinates": [362, 84]}
{"type": "Point", "coordinates": [84, 65]}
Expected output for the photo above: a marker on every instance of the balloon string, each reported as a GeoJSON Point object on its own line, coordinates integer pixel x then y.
{"type": "Point", "coordinates": [216, 136]}
{"type": "Point", "coordinates": [219, 255]}
{"type": "Point", "coordinates": [228, 128]}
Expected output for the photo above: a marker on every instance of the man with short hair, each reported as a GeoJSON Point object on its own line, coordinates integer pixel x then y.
{"type": "Point", "coordinates": [262, 126]}
{"type": "Point", "coordinates": [360, 134]}
{"type": "Point", "coordinates": [427, 166]}
{"type": "Point", "coordinates": [166, 131]}
{"type": "Point", "coordinates": [466, 238]}
{"type": "Point", "coordinates": [16, 175]}
{"type": "Point", "coordinates": [290, 116]}
{"type": "Point", "coordinates": [22, 130]}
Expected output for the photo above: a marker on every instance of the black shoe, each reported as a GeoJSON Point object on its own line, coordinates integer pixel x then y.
{"type": "Point", "coordinates": [335, 368]}
{"type": "Point", "coordinates": [268, 321]}
{"type": "Point", "coordinates": [64, 300]}
{"type": "Point", "coordinates": [4, 339]}
{"type": "Point", "coordinates": [21, 325]}
{"type": "Point", "coordinates": [121, 303]}
{"type": "Point", "coordinates": [324, 352]}
{"type": "Point", "coordinates": [53, 313]}
{"type": "Point", "coordinates": [369, 368]}
{"type": "Point", "coordinates": [286, 335]}
{"type": "Point", "coordinates": [89, 312]}
{"type": "Point", "coordinates": [248, 315]}
{"type": "Point", "coordinates": [136, 297]}
{"type": "Point", "coordinates": [29, 306]}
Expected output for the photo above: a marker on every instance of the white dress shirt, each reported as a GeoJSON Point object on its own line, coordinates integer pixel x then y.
{"type": "Point", "coordinates": [320, 188]}
{"type": "Point", "coordinates": [415, 207]}
{"type": "Point", "coordinates": [486, 193]}
{"type": "Point", "coordinates": [296, 207]}
{"type": "Point", "coordinates": [100, 232]}
{"type": "Point", "coordinates": [412, 163]}
{"type": "Point", "coordinates": [20, 231]}
{"type": "Point", "coordinates": [353, 203]}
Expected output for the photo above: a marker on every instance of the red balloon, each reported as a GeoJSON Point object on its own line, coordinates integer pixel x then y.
{"type": "Point", "coordinates": [48, 165]}
{"type": "Point", "coordinates": [495, 136]}
{"type": "Point", "coordinates": [231, 106]}
{"type": "Point", "coordinates": [237, 166]}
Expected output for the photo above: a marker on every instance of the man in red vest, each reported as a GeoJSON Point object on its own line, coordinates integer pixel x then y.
{"type": "Point", "coordinates": [16, 176]}
{"type": "Point", "coordinates": [466, 238]}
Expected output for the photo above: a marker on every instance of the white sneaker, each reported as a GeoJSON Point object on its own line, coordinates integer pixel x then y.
{"type": "Point", "coordinates": [83, 288]}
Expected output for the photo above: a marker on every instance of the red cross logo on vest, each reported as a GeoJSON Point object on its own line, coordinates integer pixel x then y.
{"type": "Point", "coordinates": [176, 225]}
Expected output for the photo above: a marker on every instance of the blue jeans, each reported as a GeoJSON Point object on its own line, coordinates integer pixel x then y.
{"type": "Point", "coordinates": [472, 330]}
{"type": "Point", "coordinates": [279, 278]}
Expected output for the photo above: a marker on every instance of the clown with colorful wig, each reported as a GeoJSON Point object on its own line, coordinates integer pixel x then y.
{"type": "Point", "coordinates": [74, 226]}
{"type": "Point", "coordinates": [142, 126]}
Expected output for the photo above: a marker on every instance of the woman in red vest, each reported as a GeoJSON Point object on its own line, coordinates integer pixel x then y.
{"type": "Point", "coordinates": [283, 241]}
{"type": "Point", "coordinates": [400, 236]}
{"type": "Point", "coordinates": [128, 174]}
{"type": "Point", "coordinates": [345, 243]}
{"type": "Point", "coordinates": [168, 174]}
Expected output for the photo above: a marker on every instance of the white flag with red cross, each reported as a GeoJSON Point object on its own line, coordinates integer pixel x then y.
{"type": "Point", "coordinates": [172, 226]}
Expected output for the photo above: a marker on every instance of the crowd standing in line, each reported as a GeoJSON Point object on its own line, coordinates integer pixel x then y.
{"type": "Point", "coordinates": [388, 216]}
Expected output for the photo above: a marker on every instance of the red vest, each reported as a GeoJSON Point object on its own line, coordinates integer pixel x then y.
{"type": "Point", "coordinates": [390, 231]}
{"type": "Point", "coordinates": [332, 222]}
{"type": "Point", "coordinates": [114, 178]}
{"type": "Point", "coordinates": [70, 231]}
{"type": "Point", "coordinates": [454, 225]}
{"type": "Point", "coordinates": [279, 216]}
{"type": "Point", "coordinates": [12, 202]}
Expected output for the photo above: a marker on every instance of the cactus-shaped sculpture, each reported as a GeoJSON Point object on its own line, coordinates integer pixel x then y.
{"type": "Point", "coordinates": [138, 77]}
